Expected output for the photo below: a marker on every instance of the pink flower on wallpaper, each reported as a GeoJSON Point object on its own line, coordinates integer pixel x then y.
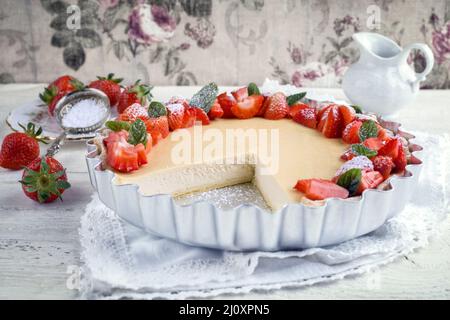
{"type": "Point", "coordinates": [108, 3]}
{"type": "Point", "coordinates": [340, 67]}
{"type": "Point", "coordinates": [299, 77]}
{"type": "Point", "coordinates": [150, 24]}
{"type": "Point", "coordinates": [441, 43]}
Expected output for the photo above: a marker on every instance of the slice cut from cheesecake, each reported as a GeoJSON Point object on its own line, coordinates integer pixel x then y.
{"type": "Point", "coordinates": [271, 154]}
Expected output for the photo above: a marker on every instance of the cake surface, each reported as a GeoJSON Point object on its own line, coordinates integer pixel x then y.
{"type": "Point", "coordinates": [295, 152]}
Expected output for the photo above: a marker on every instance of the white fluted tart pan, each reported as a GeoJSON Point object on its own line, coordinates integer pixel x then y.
{"type": "Point", "coordinates": [247, 226]}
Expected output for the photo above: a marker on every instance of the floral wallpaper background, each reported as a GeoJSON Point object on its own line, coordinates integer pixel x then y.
{"type": "Point", "coordinates": [231, 42]}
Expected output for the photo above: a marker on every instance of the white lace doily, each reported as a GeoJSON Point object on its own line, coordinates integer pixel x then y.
{"type": "Point", "coordinates": [121, 261]}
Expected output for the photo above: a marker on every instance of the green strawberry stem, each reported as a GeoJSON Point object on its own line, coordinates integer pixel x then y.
{"type": "Point", "coordinates": [110, 77]}
{"type": "Point", "coordinates": [44, 183]}
{"type": "Point", "coordinates": [142, 91]}
{"type": "Point", "coordinates": [31, 131]}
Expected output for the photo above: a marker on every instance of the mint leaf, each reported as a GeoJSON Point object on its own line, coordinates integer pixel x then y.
{"type": "Point", "coordinates": [368, 130]}
{"type": "Point", "coordinates": [350, 180]}
{"type": "Point", "coordinates": [156, 110]}
{"type": "Point", "coordinates": [362, 150]}
{"type": "Point", "coordinates": [356, 108]}
{"type": "Point", "coordinates": [117, 125]}
{"type": "Point", "coordinates": [138, 133]}
{"type": "Point", "coordinates": [294, 98]}
{"type": "Point", "coordinates": [253, 89]}
{"type": "Point", "coordinates": [204, 99]}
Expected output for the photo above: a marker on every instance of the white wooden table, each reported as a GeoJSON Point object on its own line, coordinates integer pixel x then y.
{"type": "Point", "coordinates": [39, 242]}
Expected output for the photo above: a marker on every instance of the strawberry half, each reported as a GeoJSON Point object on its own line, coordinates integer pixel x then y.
{"type": "Point", "coordinates": [240, 94]}
{"type": "Point", "coordinates": [330, 123]}
{"type": "Point", "coordinates": [369, 180]}
{"type": "Point", "coordinates": [306, 117]}
{"type": "Point", "coordinates": [226, 102]}
{"type": "Point", "coordinates": [350, 134]}
{"type": "Point", "coordinates": [277, 107]}
{"type": "Point", "coordinates": [158, 128]}
{"type": "Point", "coordinates": [175, 116]}
{"type": "Point", "coordinates": [383, 165]}
{"type": "Point", "coordinates": [216, 111]}
{"type": "Point", "coordinates": [373, 143]}
{"type": "Point", "coordinates": [248, 107]}
{"type": "Point", "coordinates": [294, 109]}
{"type": "Point", "coordinates": [400, 162]}
{"type": "Point", "coordinates": [200, 115]}
{"type": "Point", "coordinates": [348, 114]}
{"type": "Point", "coordinates": [390, 149]}
{"type": "Point", "coordinates": [320, 189]}
{"type": "Point", "coordinates": [134, 112]}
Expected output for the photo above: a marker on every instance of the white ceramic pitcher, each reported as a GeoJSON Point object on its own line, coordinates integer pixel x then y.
{"type": "Point", "coordinates": [381, 81]}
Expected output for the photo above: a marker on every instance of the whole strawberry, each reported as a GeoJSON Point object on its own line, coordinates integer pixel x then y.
{"type": "Point", "coordinates": [58, 89]}
{"type": "Point", "coordinates": [20, 148]}
{"type": "Point", "coordinates": [110, 86]}
{"type": "Point", "coordinates": [137, 93]}
{"type": "Point", "coordinates": [44, 180]}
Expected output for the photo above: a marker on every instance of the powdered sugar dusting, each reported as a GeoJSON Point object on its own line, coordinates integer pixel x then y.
{"type": "Point", "coordinates": [228, 197]}
{"type": "Point", "coordinates": [360, 162]}
{"type": "Point", "coordinates": [176, 107]}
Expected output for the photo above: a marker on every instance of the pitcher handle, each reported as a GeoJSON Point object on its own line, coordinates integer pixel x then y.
{"type": "Point", "coordinates": [429, 59]}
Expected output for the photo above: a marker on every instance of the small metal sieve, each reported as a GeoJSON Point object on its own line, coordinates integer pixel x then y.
{"type": "Point", "coordinates": [70, 101]}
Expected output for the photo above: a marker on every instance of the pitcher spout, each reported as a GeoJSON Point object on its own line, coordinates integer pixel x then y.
{"type": "Point", "coordinates": [373, 45]}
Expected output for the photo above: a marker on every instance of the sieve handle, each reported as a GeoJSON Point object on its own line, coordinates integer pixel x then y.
{"type": "Point", "coordinates": [56, 145]}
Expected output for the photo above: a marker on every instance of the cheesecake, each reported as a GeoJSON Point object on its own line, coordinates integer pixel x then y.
{"type": "Point", "coordinates": [293, 152]}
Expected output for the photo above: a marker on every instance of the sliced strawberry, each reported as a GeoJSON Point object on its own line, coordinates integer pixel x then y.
{"type": "Point", "coordinates": [263, 108]}
{"type": "Point", "coordinates": [320, 189]}
{"type": "Point", "coordinates": [277, 107]}
{"type": "Point", "coordinates": [382, 134]}
{"type": "Point", "coordinates": [240, 94]}
{"type": "Point", "coordinates": [216, 111]}
{"type": "Point", "coordinates": [351, 132]}
{"type": "Point", "coordinates": [175, 116]}
{"type": "Point", "coordinates": [348, 155]}
{"type": "Point", "coordinates": [136, 111]}
{"type": "Point", "coordinates": [322, 110]}
{"type": "Point", "coordinates": [303, 185]}
{"type": "Point", "coordinates": [369, 180]}
{"type": "Point", "coordinates": [158, 128]}
{"type": "Point", "coordinates": [200, 115]}
{"type": "Point", "coordinates": [401, 161]}
{"type": "Point", "coordinates": [190, 115]}
{"type": "Point", "coordinates": [348, 114]}
{"type": "Point", "coordinates": [123, 156]}
{"type": "Point", "coordinates": [226, 101]}
{"type": "Point", "coordinates": [248, 107]}
{"type": "Point", "coordinates": [390, 149]}
{"type": "Point", "coordinates": [142, 151]}
{"type": "Point", "coordinates": [330, 124]}
{"type": "Point", "coordinates": [383, 165]}
{"type": "Point", "coordinates": [294, 109]}
{"type": "Point", "coordinates": [373, 143]}
{"type": "Point", "coordinates": [306, 117]}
